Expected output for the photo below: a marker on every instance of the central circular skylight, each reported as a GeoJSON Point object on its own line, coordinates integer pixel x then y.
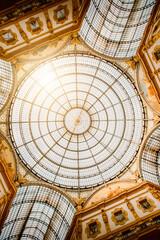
{"type": "Point", "coordinates": [76, 121]}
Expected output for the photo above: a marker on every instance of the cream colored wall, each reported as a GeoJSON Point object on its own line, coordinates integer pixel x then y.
{"type": "Point", "coordinates": [117, 202]}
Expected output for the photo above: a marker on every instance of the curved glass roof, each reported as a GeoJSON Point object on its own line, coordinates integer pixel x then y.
{"type": "Point", "coordinates": [150, 159]}
{"type": "Point", "coordinates": [115, 28]}
{"type": "Point", "coordinates": [76, 121]}
{"type": "Point", "coordinates": [6, 82]}
{"type": "Point", "coordinates": [38, 212]}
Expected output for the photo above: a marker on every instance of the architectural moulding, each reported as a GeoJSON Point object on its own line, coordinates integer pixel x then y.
{"type": "Point", "coordinates": [145, 53]}
{"type": "Point", "coordinates": [48, 21]}
{"type": "Point", "coordinates": [103, 211]}
{"type": "Point", "coordinates": [7, 191]}
{"type": "Point", "coordinates": [34, 25]}
{"type": "Point", "coordinates": [155, 193]}
{"type": "Point", "coordinates": [119, 216]}
{"type": "Point", "coordinates": [8, 37]}
{"type": "Point", "coordinates": [93, 228]}
{"type": "Point", "coordinates": [105, 220]}
{"type": "Point", "coordinates": [145, 204]}
{"type": "Point", "coordinates": [131, 208]}
{"type": "Point", "coordinates": [154, 56]}
{"type": "Point", "coordinates": [63, 25]}
{"type": "Point", "coordinates": [61, 14]}
{"type": "Point", "coordinates": [23, 34]}
{"type": "Point", "coordinates": [78, 229]}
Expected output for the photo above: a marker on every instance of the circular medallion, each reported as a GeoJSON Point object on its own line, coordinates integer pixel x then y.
{"type": "Point", "coordinates": [77, 121]}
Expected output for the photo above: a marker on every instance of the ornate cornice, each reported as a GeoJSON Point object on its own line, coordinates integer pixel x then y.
{"type": "Point", "coordinates": [20, 9]}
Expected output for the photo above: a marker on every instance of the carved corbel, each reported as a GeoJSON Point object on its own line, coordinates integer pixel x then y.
{"type": "Point", "coordinates": [79, 202]}
{"type": "Point", "coordinates": [2, 51]}
{"type": "Point", "coordinates": [48, 21]}
{"type": "Point", "coordinates": [155, 193]}
{"type": "Point", "coordinates": [105, 220]}
{"type": "Point", "coordinates": [75, 40]}
{"type": "Point", "coordinates": [132, 63]}
{"type": "Point", "coordinates": [23, 34]}
{"type": "Point", "coordinates": [20, 180]}
{"type": "Point", "coordinates": [131, 208]}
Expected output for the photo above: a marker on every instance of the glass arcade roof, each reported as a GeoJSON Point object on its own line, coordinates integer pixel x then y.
{"type": "Point", "coordinates": [38, 212]}
{"type": "Point", "coordinates": [150, 159]}
{"type": "Point", "coordinates": [115, 28]}
{"type": "Point", "coordinates": [6, 82]}
{"type": "Point", "coordinates": [76, 121]}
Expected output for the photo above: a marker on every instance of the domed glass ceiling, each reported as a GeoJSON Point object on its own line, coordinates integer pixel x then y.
{"type": "Point", "coordinates": [76, 121]}
{"type": "Point", "coordinates": [115, 28]}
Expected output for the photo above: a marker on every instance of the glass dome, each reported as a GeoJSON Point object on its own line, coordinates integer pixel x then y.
{"type": "Point", "coordinates": [115, 28]}
{"type": "Point", "coordinates": [76, 121]}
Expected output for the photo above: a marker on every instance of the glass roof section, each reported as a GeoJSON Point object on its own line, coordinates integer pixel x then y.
{"type": "Point", "coordinates": [115, 28]}
{"type": "Point", "coordinates": [76, 121]}
{"type": "Point", "coordinates": [38, 212]}
{"type": "Point", "coordinates": [150, 159]}
{"type": "Point", "coordinates": [6, 82]}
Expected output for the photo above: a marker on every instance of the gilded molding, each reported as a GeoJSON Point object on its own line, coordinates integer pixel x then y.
{"type": "Point", "coordinates": [78, 229]}
{"type": "Point", "coordinates": [23, 34]}
{"type": "Point", "coordinates": [153, 54]}
{"type": "Point", "coordinates": [48, 21]}
{"type": "Point", "coordinates": [105, 220]}
{"type": "Point", "coordinates": [2, 51]}
{"type": "Point", "coordinates": [3, 202]}
{"type": "Point", "coordinates": [157, 71]}
{"type": "Point", "coordinates": [123, 221]}
{"type": "Point", "coordinates": [155, 193]}
{"type": "Point", "coordinates": [150, 201]}
{"type": "Point", "coordinates": [87, 230]}
{"type": "Point", "coordinates": [19, 9]}
{"type": "Point", "coordinates": [20, 180]}
{"type": "Point", "coordinates": [131, 208]}
{"type": "Point", "coordinates": [79, 202]}
{"type": "Point", "coordinates": [132, 63]}
{"type": "Point", "coordinates": [151, 41]}
{"type": "Point", "coordinates": [66, 11]}
{"type": "Point", "coordinates": [75, 11]}
{"type": "Point", "coordinates": [37, 29]}
{"type": "Point", "coordinates": [10, 41]}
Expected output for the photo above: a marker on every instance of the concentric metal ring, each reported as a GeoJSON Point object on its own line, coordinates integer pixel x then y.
{"type": "Point", "coordinates": [77, 121]}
